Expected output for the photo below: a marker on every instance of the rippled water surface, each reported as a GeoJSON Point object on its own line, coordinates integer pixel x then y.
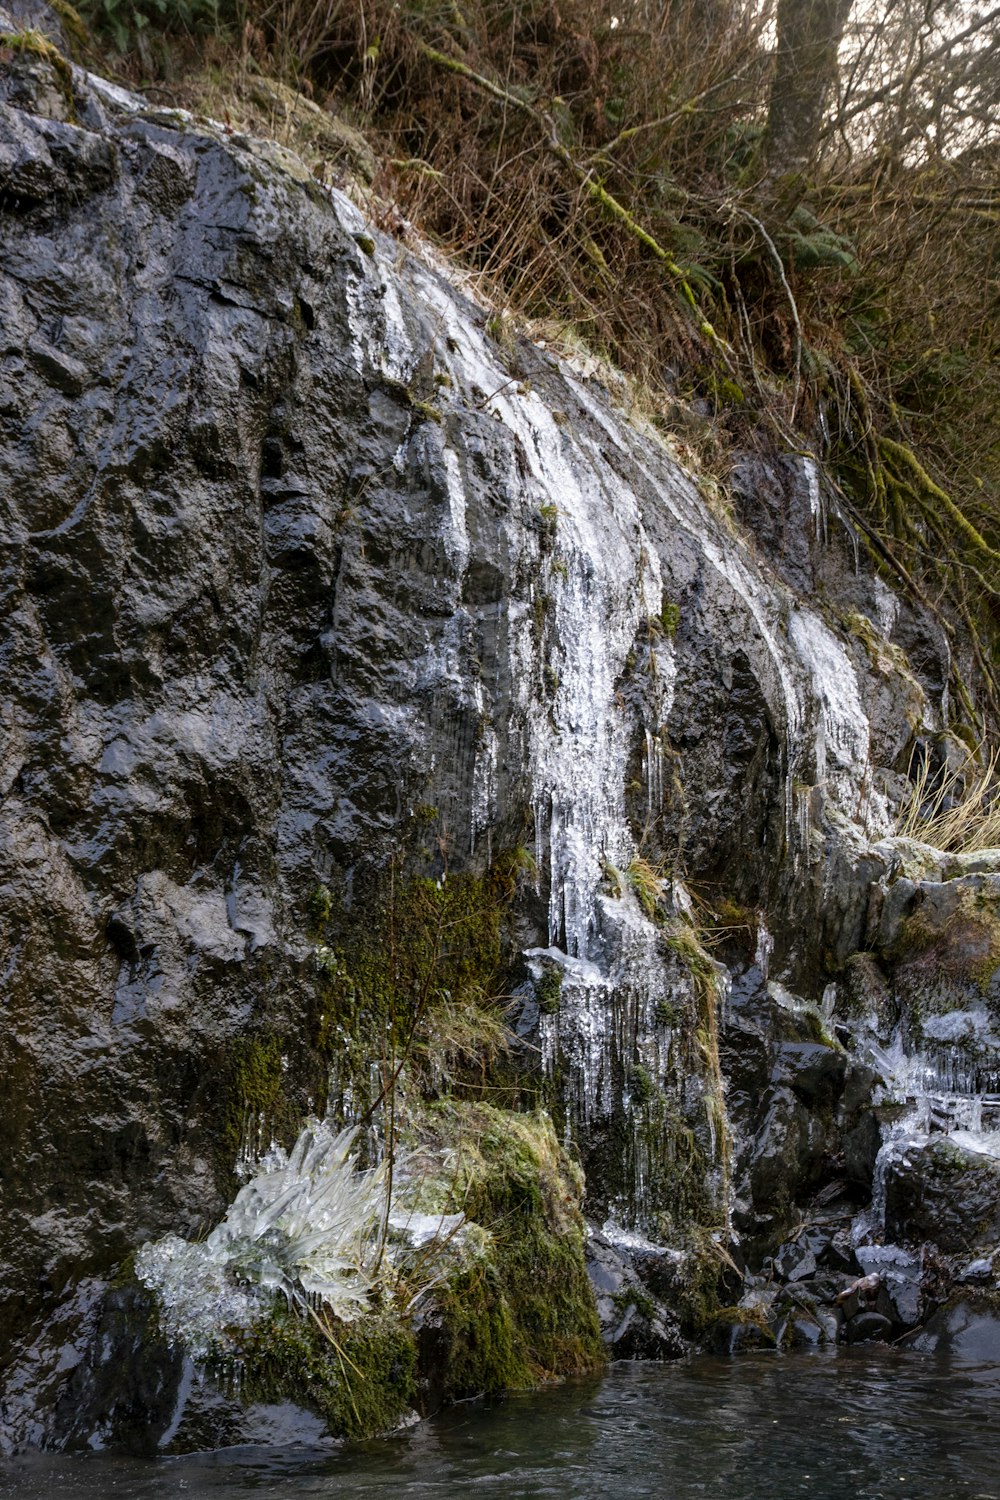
{"type": "Point", "coordinates": [870, 1424]}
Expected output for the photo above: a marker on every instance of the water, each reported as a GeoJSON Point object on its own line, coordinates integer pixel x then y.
{"type": "Point", "coordinates": [862, 1424]}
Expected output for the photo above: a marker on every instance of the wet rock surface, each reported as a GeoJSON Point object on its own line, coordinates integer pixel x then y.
{"type": "Point", "coordinates": [966, 1330]}
{"type": "Point", "coordinates": [299, 556]}
{"type": "Point", "coordinates": [635, 1322]}
{"type": "Point", "coordinates": [946, 1193]}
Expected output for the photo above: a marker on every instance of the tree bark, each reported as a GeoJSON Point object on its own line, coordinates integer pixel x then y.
{"type": "Point", "coordinates": [809, 33]}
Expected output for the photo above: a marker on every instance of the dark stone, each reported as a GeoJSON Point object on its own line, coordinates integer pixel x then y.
{"type": "Point", "coordinates": [794, 1261]}
{"type": "Point", "coordinates": [634, 1323]}
{"type": "Point", "coordinates": [814, 1071]}
{"type": "Point", "coordinates": [900, 1296]}
{"type": "Point", "coordinates": [644, 1334]}
{"type": "Point", "coordinates": [803, 1331]}
{"type": "Point", "coordinates": [788, 1152]}
{"type": "Point", "coordinates": [833, 1249]}
{"type": "Point", "coordinates": [943, 1193]}
{"type": "Point", "coordinates": [868, 1327]}
{"type": "Point", "coordinates": [861, 1148]}
{"type": "Point", "coordinates": [827, 1287]}
{"type": "Point", "coordinates": [967, 1331]}
{"type": "Point", "coordinates": [736, 1332]}
{"type": "Point", "coordinates": [850, 1304]}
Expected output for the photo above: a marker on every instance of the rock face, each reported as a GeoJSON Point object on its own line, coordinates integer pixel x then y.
{"type": "Point", "coordinates": [302, 552]}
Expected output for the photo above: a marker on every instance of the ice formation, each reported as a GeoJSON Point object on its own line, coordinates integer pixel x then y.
{"type": "Point", "coordinates": [305, 1228]}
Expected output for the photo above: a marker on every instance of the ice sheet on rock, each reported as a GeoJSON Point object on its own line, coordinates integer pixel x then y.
{"type": "Point", "coordinates": [952, 1089]}
{"type": "Point", "coordinates": [419, 1229]}
{"type": "Point", "coordinates": [631, 1239]}
{"type": "Point", "coordinates": [817, 508]}
{"type": "Point", "coordinates": [375, 314]}
{"type": "Point", "coordinates": [841, 732]}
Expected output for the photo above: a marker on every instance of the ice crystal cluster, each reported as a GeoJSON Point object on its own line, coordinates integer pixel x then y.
{"type": "Point", "coordinates": [306, 1228]}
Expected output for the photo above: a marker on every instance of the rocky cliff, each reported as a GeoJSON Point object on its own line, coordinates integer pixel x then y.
{"type": "Point", "coordinates": [315, 569]}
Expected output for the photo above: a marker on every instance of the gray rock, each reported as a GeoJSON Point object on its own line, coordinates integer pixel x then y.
{"type": "Point", "coordinates": [634, 1323]}
{"type": "Point", "coordinates": [944, 1193]}
{"type": "Point", "coordinates": [805, 1331]}
{"type": "Point", "coordinates": [900, 1294]}
{"type": "Point", "coordinates": [794, 1262]}
{"type": "Point", "coordinates": [965, 1332]}
{"type": "Point", "coordinates": [977, 1271]}
{"type": "Point", "coordinates": [734, 1332]}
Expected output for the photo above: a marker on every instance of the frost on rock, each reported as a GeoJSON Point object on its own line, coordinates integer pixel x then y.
{"type": "Point", "coordinates": [306, 1228]}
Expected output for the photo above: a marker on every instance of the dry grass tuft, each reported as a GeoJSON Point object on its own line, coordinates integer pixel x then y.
{"type": "Point", "coordinates": [957, 811]}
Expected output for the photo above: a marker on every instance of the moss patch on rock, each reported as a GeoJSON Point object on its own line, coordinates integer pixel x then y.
{"type": "Point", "coordinates": [361, 1378]}
{"type": "Point", "coordinates": [414, 982]}
{"type": "Point", "coordinates": [523, 1313]}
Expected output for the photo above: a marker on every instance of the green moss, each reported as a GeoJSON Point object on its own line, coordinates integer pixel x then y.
{"type": "Point", "coordinates": [670, 616]}
{"type": "Point", "coordinates": [360, 1378]}
{"type": "Point", "coordinates": [541, 607]}
{"type": "Point", "coordinates": [964, 948]}
{"type": "Point", "coordinates": [320, 908]}
{"type": "Point", "coordinates": [678, 1166]}
{"type": "Point", "coordinates": [640, 1084]}
{"type": "Point", "coordinates": [667, 1012]}
{"type": "Point", "coordinates": [816, 1030]}
{"type": "Point", "coordinates": [74, 27]}
{"type": "Point", "coordinates": [365, 243]}
{"type": "Point", "coordinates": [31, 43]}
{"type": "Point", "coordinates": [648, 885]}
{"type": "Point", "coordinates": [524, 1312]}
{"type": "Point", "coordinates": [637, 1297]}
{"type": "Point", "coordinates": [548, 989]}
{"type": "Point", "coordinates": [698, 1305]}
{"type": "Point", "coordinates": [684, 942]}
{"type": "Point", "coordinates": [416, 980]}
{"type": "Point", "coordinates": [253, 1086]}
{"type": "Point", "coordinates": [421, 408]}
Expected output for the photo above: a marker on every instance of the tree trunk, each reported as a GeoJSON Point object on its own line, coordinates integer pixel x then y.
{"type": "Point", "coordinates": [809, 33]}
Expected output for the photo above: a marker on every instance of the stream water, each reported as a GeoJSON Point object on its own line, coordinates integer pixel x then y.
{"type": "Point", "coordinates": [870, 1423]}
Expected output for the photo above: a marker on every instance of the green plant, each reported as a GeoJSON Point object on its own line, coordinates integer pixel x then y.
{"type": "Point", "coordinates": [129, 24]}
{"type": "Point", "coordinates": [670, 616]}
{"type": "Point", "coordinates": [640, 1084]}
{"type": "Point", "coordinates": [667, 1012]}
{"type": "Point", "coordinates": [649, 886]}
{"type": "Point", "coordinates": [548, 989]}
{"type": "Point", "coordinates": [524, 1311]}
